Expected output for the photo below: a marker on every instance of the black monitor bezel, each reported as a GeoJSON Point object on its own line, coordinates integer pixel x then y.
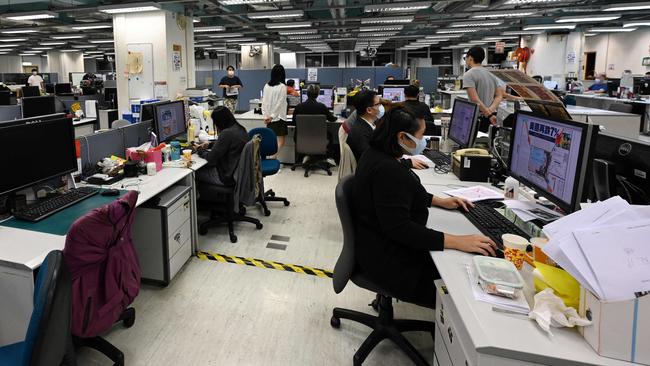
{"type": "Point", "coordinates": [155, 119]}
{"type": "Point", "coordinates": [472, 134]}
{"type": "Point", "coordinates": [42, 97]}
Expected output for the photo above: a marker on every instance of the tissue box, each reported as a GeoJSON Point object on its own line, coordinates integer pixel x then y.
{"type": "Point", "coordinates": [620, 329]}
{"type": "Point", "coordinates": [154, 156]}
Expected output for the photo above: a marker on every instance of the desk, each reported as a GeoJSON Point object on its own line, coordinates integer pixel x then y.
{"type": "Point", "coordinates": [479, 335]}
{"type": "Point", "coordinates": [22, 251]}
{"type": "Point", "coordinates": [84, 126]}
{"type": "Point", "coordinates": [642, 107]}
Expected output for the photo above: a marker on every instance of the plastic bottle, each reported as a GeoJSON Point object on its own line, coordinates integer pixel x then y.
{"type": "Point", "coordinates": [190, 132]}
{"type": "Point", "coordinates": [510, 188]}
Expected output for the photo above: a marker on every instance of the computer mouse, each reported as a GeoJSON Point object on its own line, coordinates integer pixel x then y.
{"type": "Point", "coordinates": [110, 192]}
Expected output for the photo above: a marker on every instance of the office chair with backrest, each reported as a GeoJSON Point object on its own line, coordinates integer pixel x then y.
{"type": "Point", "coordinates": [311, 141]}
{"type": "Point", "coordinates": [120, 123]}
{"type": "Point", "coordinates": [48, 334]}
{"type": "Point", "coordinates": [621, 107]}
{"type": "Point", "coordinates": [384, 326]}
{"type": "Point", "coordinates": [236, 196]}
{"type": "Point", "coordinates": [268, 147]}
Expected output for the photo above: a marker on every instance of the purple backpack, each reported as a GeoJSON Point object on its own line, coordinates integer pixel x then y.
{"type": "Point", "coordinates": [104, 266]}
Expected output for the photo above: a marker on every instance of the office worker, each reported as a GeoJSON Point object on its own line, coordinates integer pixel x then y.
{"type": "Point", "coordinates": [36, 80]}
{"type": "Point", "coordinates": [223, 156]}
{"type": "Point", "coordinates": [274, 104]}
{"type": "Point", "coordinates": [411, 94]}
{"type": "Point", "coordinates": [291, 88]}
{"type": "Point", "coordinates": [392, 240]}
{"type": "Point", "coordinates": [312, 106]}
{"type": "Point", "coordinates": [481, 87]}
{"type": "Point", "coordinates": [599, 85]}
{"type": "Point", "coordinates": [230, 85]}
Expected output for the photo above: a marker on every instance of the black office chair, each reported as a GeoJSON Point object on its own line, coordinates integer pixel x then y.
{"type": "Point", "coordinates": [311, 141]}
{"type": "Point", "coordinates": [48, 339]}
{"type": "Point", "coordinates": [621, 107]}
{"type": "Point", "coordinates": [220, 200]}
{"type": "Point", "coordinates": [384, 326]}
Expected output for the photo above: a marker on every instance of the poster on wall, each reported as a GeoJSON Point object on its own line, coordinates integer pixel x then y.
{"type": "Point", "coordinates": [134, 62]}
{"type": "Point", "coordinates": [312, 74]}
{"type": "Point", "coordinates": [571, 57]}
{"type": "Point", "coordinates": [177, 61]}
{"type": "Point", "coordinates": [160, 90]}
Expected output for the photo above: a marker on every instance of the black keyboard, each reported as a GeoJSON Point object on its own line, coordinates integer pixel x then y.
{"type": "Point", "coordinates": [491, 223]}
{"type": "Point", "coordinates": [437, 157]}
{"type": "Point", "coordinates": [40, 210]}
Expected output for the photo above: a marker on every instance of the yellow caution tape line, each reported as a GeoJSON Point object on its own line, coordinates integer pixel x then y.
{"type": "Point", "coordinates": [264, 264]}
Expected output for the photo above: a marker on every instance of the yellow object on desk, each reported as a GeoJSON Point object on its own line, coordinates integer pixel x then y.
{"type": "Point", "coordinates": [560, 281]}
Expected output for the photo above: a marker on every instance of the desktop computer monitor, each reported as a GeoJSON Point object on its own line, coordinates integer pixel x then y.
{"type": "Point", "coordinates": [38, 106]}
{"type": "Point", "coordinates": [31, 91]}
{"type": "Point", "coordinates": [49, 88]}
{"type": "Point", "coordinates": [463, 124]}
{"type": "Point", "coordinates": [36, 165]}
{"type": "Point", "coordinates": [5, 97]}
{"type": "Point", "coordinates": [62, 88]}
{"type": "Point", "coordinates": [404, 82]}
{"type": "Point", "coordinates": [394, 94]}
{"type": "Point", "coordinates": [326, 95]}
{"type": "Point", "coordinates": [552, 157]}
{"type": "Point", "coordinates": [169, 120]}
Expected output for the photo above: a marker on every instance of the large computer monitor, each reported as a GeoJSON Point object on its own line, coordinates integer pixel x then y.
{"type": "Point", "coordinates": [393, 93]}
{"type": "Point", "coordinates": [326, 95]}
{"type": "Point", "coordinates": [621, 166]}
{"type": "Point", "coordinates": [404, 82]}
{"type": "Point", "coordinates": [31, 91]}
{"type": "Point", "coordinates": [35, 165]}
{"type": "Point", "coordinates": [463, 124]}
{"type": "Point", "coordinates": [5, 97]}
{"type": "Point", "coordinates": [62, 88]}
{"type": "Point", "coordinates": [551, 156]}
{"type": "Point", "coordinates": [169, 120]}
{"type": "Point", "coordinates": [38, 106]}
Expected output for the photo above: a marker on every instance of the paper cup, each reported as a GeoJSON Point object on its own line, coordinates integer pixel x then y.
{"type": "Point", "coordinates": [187, 154]}
{"type": "Point", "coordinates": [514, 249]}
{"type": "Point", "coordinates": [538, 254]}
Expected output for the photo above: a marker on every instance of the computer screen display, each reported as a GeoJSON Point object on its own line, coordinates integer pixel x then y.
{"type": "Point", "coordinates": [547, 154]}
{"type": "Point", "coordinates": [326, 96]}
{"type": "Point", "coordinates": [35, 165]}
{"type": "Point", "coordinates": [462, 127]}
{"type": "Point", "coordinates": [38, 106]}
{"type": "Point", "coordinates": [63, 88]}
{"type": "Point", "coordinates": [393, 94]}
{"type": "Point", "coordinates": [31, 91]}
{"type": "Point", "coordinates": [169, 120]}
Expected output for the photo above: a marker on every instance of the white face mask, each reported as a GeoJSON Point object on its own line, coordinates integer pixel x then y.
{"type": "Point", "coordinates": [420, 145]}
{"type": "Point", "coordinates": [598, 81]}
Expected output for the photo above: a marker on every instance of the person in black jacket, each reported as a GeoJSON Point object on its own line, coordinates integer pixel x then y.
{"type": "Point", "coordinates": [223, 156]}
{"type": "Point", "coordinates": [411, 93]}
{"type": "Point", "coordinates": [311, 106]}
{"type": "Point", "coordinates": [391, 212]}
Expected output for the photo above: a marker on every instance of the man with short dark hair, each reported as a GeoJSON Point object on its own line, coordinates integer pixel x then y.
{"type": "Point", "coordinates": [482, 87]}
{"type": "Point", "coordinates": [312, 106]}
{"type": "Point", "coordinates": [369, 109]}
{"type": "Point", "coordinates": [413, 104]}
{"type": "Point", "coordinates": [35, 80]}
{"type": "Point", "coordinates": [291, 88]}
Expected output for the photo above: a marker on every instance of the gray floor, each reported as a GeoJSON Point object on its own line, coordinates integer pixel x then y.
{"type": "Point", "coordinates": [225, 314]}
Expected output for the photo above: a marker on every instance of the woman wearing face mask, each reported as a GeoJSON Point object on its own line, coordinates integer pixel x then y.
{"type": "Point", "coordinates": [391, 211]}
{"type": "Point", "coordinates": [230, 85]}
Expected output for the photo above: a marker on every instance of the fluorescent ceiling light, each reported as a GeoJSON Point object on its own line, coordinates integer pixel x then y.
{"type": "Point", "coordinates": [549, 26]}
{"type": "Point", "coordinates": [129, 8]}
{"type": "Point", "coordinates": [32, 15]}
{"type": "Point", "coordinates": [504, 14]}
{"type": "Point", "coordinates": [196, 20]}
{"type": "Point", "coordinates": [251, 39]}
{"type": "Point", "coordinates": [288, 25]}
{"type": "Point", "coordinates": [216, 48]}
{"type": "Point", "coordinates": [42, 48]}
{"type": "Point", "coordinates": [217, 28]}
{"type": "Point", "coordinates": [378, 20]}
{"type": "Point", "coordinates": [625, 25]}
{"type": "Point", "coordinates": [202, 44]}
{"type": "Point", "coordinates": [381, 29]}
{"type": "Point", "coordinates": [587, 18]}
{"type": "Point", "coordinates": [590, 34]}
{"type": "Point", "coordinates": [628, 6]}
{"type": "Point", "coordinates": [276, 14]}
{"type": "Point", "coordinates": [13, 39]}
{"type": "Point", "coordinates": [9, 45]}
{"type": "Point", "coordinates": [499, 38]}
{"type": "Point", "coordinates": [372, 35]}
{"type": "Point", "coordinates": [245, 2]}
{"type": "Point", "coordinates": [444, 36]}
{"type": "Point", "coordinates": [521, 33]}
{"type": "Point", "coordinates": [51, 43]}
{"type": "Point", "coordinates": [478, 41]}
{"type": "Point", "coordinates": [18, 31]}
{"type": "Point", "coordinates": [91, 26]}
{"type": "Point", "coordinates": [84, 46]}
{"type": "Point", "coordinates": [390, 7]}
{"type": "Point", "coordinates": [70, 50]}
{"type": "Point", "coordinates": [226, 35]}
{"type": "Point", "coordinates": [94, 52]}
{"type": "Point", "coordinates": [100, 41]}
{"type": "Point", "coordinates": [313, 36]}
{"type": "Point", "coordinates": [467, 44]}
{"type": "Point", "coordinates": [485, 23]}
{"type": "Point", "coordinates": [521, 2]}
{"type": "Point", "coordinates": [610, 30]}
{"type": "Point", "coordinates": [30, 51]}
{"type": "Point", "coordinates": [77, 36]}
{"type": "Point", "coordinates": [290, 33]}
{"type": "Point", "coordinates": [451, 31]}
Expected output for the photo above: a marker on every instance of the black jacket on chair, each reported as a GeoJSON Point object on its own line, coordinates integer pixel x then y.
{"type": "Point", "coordinates": [313, 107]}
{"type": "Point", "coordinates": [392, 240]}
{"type": "Point", "coordinates": [225, 152]}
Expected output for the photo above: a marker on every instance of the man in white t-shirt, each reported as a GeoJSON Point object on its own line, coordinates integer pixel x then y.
{"type": "Point", "coordinates": [35, 79]}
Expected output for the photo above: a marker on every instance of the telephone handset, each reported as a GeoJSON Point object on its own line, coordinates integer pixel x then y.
{"type": "Point", "coordinates": [471, 151]}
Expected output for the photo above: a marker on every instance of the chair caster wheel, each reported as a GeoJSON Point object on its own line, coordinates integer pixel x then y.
{"type": "Point", "coordinates": [329, 173]}
{"type": "Point", "coordinates": [286, 203]}
{"type": "Point", "coordinates": [271, 194]}
{"type": "Point", "coordinates": [242, 211]}
{"type": "Point", "coordinates": [259, 226]}
{"type": "Point", "coordinates": [202, 230]}
{"type": "Point", "coordinates": [129, 319]}
{"type": "Point", "coordinates": [233, 238]}
{"type": "Point", "coordinates": [293, 168]}
{"type": "Point", "coordinates": [267, 213]}
{"type": "Point", "coordinates": [335, 322]}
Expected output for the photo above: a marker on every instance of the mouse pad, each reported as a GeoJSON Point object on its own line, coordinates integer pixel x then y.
{"type": "Point", "coordinates": [60, 222]}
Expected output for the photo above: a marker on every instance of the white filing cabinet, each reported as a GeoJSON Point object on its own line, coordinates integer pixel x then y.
{"type": "Point", "coordinates": [162, 234]}
{"type": "Point", "coordinates": [453, 345]}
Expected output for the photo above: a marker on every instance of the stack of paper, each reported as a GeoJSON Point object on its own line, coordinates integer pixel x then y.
{"type": "Point", "coordinates": [528, 211]}
{"type": "Point", "coordinates": [476, 193]}
{"type": "Point", "coordinates": [605, 247]}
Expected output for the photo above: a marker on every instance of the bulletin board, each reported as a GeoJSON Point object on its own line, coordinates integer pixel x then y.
{"type": "Point", "coordinates": [139, 66]}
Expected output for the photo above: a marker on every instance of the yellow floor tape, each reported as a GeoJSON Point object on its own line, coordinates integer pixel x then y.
{"type": "Point", "coordinates": [264, 264]}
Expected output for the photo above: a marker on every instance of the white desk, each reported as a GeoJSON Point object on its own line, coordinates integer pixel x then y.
{"type": "Point", "coordinates": [604, 102]}
{"type": "Point", "coordinates": [479, 335]}
{"type": "Point", "coordinates": [84, 126]}
{"type": "Point", "coordinates": [22, 251]}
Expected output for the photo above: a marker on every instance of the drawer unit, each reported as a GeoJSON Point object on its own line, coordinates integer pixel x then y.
{"type": "Point", "coordinates": [452, 335]}
{"type": "Point", "coordinates": [162, 234]}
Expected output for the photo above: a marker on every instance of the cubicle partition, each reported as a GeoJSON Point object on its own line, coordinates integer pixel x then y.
{"type": "Point", "coordinates": [97, 146]}
{"type": "Point", "coordinates": [10, 113]}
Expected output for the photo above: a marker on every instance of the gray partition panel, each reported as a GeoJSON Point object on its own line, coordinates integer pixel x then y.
{"type": "Point", "coordinates": [361, 73]}
{"type": "Point", "coordinates": [428, 77]}
{"type": "Point", "coordinates": [253, 81]}
{"type": "Point", "coordinates": [100, 145]}
{"type": "Point", "coordinates": [136, 134]}
{"type": "Point", "coordinates": [296, 73]}
{"type": "Point", "coordinates": [381, 73]}
{"type": "Point", "coordinates": [331, 76]}
{"type": "Point", "coordinates": [10, 113]}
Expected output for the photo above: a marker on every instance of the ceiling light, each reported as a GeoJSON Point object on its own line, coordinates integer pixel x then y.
{"type": "Point", "coordinates": [245, 2]}
{"type": "Point", "coordinates": [251, 39]}
{"type": "Point", "coordinates": [521, 2]}
{"type": "Point", "coordinates": [202, 44]}
{"type": "Point", "coordinates": [313, 36]}
{"type": "Point", "coordinates": [444, 36]}
{"type": "Point", "coordinates": [376, 20]}
{"type": "Point", "coordinates": [381, 29]}
{"type": "Point", "coordinates": [196, 20]}
{"type": "Point", "coordinates": [364, 35]}
{"type": "Point", "coordinates": [91, 26]}
{"type": "Point", "coordinates": [100, 41]}
{"type": "Point", "coordinates": [217, 28]}
{"type": "Point", "coordinates": [42, 48]}
{"type": "Point", "coordinates": [398, 7]}
{"type": "Point", "coordinates": [451, 31]}
{"type": "Point", "coordinates": [587, 18]}
{"type": "Point", "coordinates": [276, 14]}
{"type": "Point", "coordinates": [290, 33]}
{"type": "Point", "coordinates": [499, 38]}
{"type": "Point", "coordinates": [626, 25]}
{"type": "Point", "coordinates": [216, 48]}
{"type": "Point", "coordinates": [68, 37]}
{"type": "Point", "coordinates": [18, 31]}
{"type": "Point", "coordinates": [9, 45]}
{"type": "Point", "coordinates": [628, 6]}
{"type": "Point", "coordinates": [478, 41]}
{"type": "Point", "coordinates": [13, 39]}
{"type": "Point", "coordinates": [51, 43]}
{"type": "Point", "coordinates": [129, 8]}
{"type": "Point", "coordinates": [610, 30]}
{"type": "Point", "coordinates": [84, 46]}
{"type": "Point", "coordinates": [549, 26]}
{"type": "Point", "coordinates": [590, 34]}
{"type": "Point", "coordinates": [467, 44]}
{"type": "Point", "coordinates": [288, 25]}
{"type": "Point", "coordinates": [504, 14]}
{"type": "Point", "coordinates": [226, 35]}
{"type": "Point", "coordinates": [476, 24]}
{"type": "Point", "coordinates": [33, 51]}
{"type": "Point", "coordinates": [521, 33]}
{"type": "Point", "coordinates": [32, 15]}
{"type": "Point", "coordinates": [94, 52]}
{"type": "Point", "coordinates": [67, 50]}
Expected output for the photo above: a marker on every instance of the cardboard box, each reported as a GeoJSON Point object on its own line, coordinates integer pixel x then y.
{"type": "Point", "coordinates": [620, 329]}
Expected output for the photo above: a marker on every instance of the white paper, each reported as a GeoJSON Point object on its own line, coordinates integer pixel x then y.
{"type": "Point", "coordinates": [422, 158]}
{"type": "Point", "coordinates": [620, 257]}
{"type": "Point", "coordinates": [475, 193]}
{"type": "Point", "coordinates": [585, 217]}
{"type": "Point", "coordinates": [230, 91]}
{"type": "Point", "coordinates": [91, 108]}
{"type": "Point", "coordinates": [531, 210]}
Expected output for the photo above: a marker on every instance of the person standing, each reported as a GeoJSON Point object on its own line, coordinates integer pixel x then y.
{"type": "Point", "coordinates": [274, 104]}
{"type": "Point", "coordinates": [230, 85]}
{"type": "Point", "coordinates": [482, 87]}
{"type": "Point", "coordinates": [35, 80]}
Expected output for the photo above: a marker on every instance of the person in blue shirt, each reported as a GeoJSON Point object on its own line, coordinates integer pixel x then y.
{"type": "Point", "coordinates": [599, 85]}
